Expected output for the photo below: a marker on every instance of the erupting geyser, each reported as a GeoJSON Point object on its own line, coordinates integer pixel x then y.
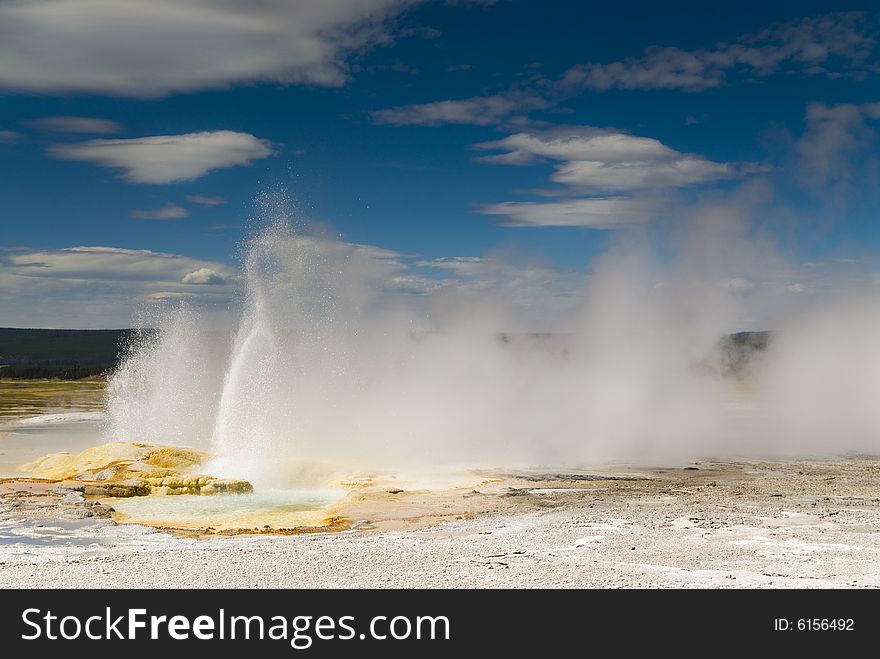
{"type": "Point", "coordinates": [327, 360]}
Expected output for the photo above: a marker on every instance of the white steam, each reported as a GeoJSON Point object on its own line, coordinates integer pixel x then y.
{"type": "Point", "coordinates": [323, 363]}
{"type": "Point", "coordinates": [820, 383]}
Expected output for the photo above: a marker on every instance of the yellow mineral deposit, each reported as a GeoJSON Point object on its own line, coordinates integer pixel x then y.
{"type": "Point", "coordinates": [121, 469]}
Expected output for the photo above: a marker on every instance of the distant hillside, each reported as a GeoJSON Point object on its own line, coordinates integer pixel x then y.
{"type": "Point", "coordinates": [76, 354]}
{"type": "Point", "coordinates": [63, 354]}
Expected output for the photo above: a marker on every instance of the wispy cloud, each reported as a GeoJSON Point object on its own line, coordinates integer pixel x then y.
{"type": "Point", "coordinates": [76, 125]}
{"type": "Point", "coordinates": [204, 200]}
{"type": "Point", "coordinates": [105, 263]}
{"type": "Point", "coordinates": [593, 213]}
{"type": "Point", "coordinates": [477, 110]}
{"type": "Point", "coordinates": [830, 45]}
{"type": "Point", "coordinates": [167, 212]}
{"type": "Point", "coordinates": [420, 31]}
{"type": "Point", "coordinates": [168, 158]}
{"type": "Point", "coordinates": [624, 176]}
{"type": "Point", "coordinates": [9, 136]}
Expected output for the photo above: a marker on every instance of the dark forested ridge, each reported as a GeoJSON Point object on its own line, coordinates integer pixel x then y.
{"type": "Point", "coordinates": [63, 353]}
{"type": "Point", "coordinates": [737, 350]}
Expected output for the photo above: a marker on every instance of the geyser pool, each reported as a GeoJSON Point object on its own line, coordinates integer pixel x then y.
{"type": "Point", "coordinates": [277, 508]}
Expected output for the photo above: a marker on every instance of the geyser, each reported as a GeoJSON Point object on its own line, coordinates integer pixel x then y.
{"type": "Point", "coordinates": [327, 360]}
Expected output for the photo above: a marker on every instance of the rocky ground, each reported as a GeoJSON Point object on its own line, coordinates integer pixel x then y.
{"type": "Point", "coordinates": [715, 524]}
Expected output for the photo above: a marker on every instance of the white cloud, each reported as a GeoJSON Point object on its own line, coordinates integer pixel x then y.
{"type": "Point", "coordinates": [594, 213]}
{"type": "Point", "coordinates": [150, 48]}
{"type": "Point", "coordinates": [105, 263]}
{"type": "Point", "coordinates": [833, 44]}
{"type": "Point", "coordinates": [8, 136]}
{"type": "Point", "coordinates": [575, 143]}
{"type": "Point", "coordinates": [167, 212]}
{"type": "Point", "coordinates": [203, 276]}
{"type": "Point", "coordinates": [97, 286]}
{"type": "Point", "coordinates": [622, 173]}
{"type": "Point", "coordinates": [76, 125]}
{"type": "Point", "coordinates": [630, 176]}
{"type": "Point", "coordinates": [168, 158]}
{"type": "Point", "coordinates": [204, 200]}
{"type": "Point", "coordinates": [600, 160]}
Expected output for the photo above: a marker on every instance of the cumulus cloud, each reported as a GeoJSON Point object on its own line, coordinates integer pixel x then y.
{"type": "Point", "coordinates": [76, 125]}
{"type": "Point", "coordinates": [151, 48]}
{"type": "Point", "coordinates": [831, 45]}
{"type": "Point", "coordinates": [203, 276]}
{"type": "Point", "coordinates": [204, 200]}
{"type": "Point", "coordinates": [168, 158]}
{"type": "Point", "coordinates": [167, 212]}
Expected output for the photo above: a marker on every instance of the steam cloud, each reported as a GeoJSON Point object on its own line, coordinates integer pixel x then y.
{"type": "Point", "coordinates": [322, 363]}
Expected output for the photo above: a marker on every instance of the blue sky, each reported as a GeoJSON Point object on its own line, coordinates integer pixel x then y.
{"type": "Point", "coordinates": [135, 136]}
